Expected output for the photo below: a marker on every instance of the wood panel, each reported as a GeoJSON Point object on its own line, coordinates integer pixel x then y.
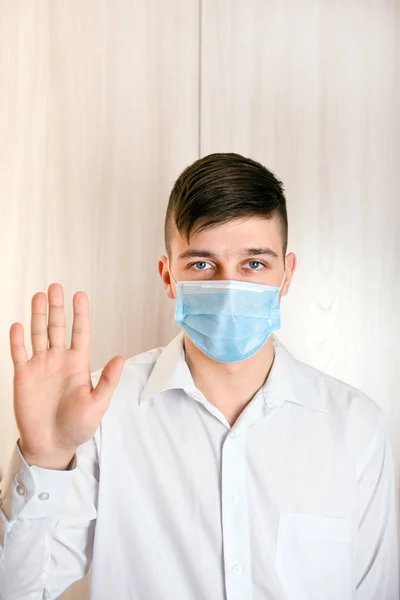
{"type": "Point", "coordinates": [312, 89]}
{"type": "Point", "coordinates": [98, 116]}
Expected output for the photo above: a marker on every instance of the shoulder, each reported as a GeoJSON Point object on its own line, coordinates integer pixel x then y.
{"type": "Point", "coordinates": [352, 414]}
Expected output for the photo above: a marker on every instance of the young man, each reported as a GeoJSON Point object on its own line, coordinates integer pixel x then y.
{"type": "Point", "coordinates": [223, 468]}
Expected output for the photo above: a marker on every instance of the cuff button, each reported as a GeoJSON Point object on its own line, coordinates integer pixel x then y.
{"type": "Point", "coordinates": [20, 490]}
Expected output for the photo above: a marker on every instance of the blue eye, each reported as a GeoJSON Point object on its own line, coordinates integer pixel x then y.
{"type": "Point", "coordinates": [200, 266]}
{"type": "Point", "coordinates": [254, 265]}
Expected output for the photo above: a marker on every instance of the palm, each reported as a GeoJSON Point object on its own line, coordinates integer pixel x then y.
{"type": "Point", "coordinates": [56, 407]}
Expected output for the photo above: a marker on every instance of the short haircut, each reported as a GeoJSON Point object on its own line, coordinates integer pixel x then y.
{"type": "Point", "coordinates": [223, 187]}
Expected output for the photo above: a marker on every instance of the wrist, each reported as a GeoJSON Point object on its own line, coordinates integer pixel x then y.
{"type": "Point", "coordinates": [59, 460]}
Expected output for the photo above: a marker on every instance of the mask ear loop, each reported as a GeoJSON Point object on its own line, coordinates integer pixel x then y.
{"type": "Point", "coordinates": [170, 274]}
{"type": "Point", "coordinates": [283, 281]}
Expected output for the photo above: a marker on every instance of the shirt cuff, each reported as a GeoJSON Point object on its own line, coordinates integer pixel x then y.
{"type": "Point", "coordinates": [33, 492]}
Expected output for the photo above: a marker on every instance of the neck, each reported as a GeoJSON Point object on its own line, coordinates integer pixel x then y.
{"type": "Point", "coordinates": [230, 387]}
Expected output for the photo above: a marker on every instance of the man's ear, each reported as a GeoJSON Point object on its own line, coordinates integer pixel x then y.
{"type": "Point", "coordinates": [291, 263]}
{"type": "Point", "coordinates": [163, 271]}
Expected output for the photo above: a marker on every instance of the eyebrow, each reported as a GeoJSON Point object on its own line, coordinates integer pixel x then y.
{"type": "Point", "coordinates": [195, 253]}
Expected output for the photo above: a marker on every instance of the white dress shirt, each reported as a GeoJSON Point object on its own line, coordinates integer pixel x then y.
{"type": "Point", "coordinates": [295, 501]}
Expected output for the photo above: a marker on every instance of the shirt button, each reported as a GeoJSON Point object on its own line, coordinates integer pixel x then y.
{"type": "Point", "coordinates": [237, 569]}
{"type": "Point", "coordinates": [233, 435]}
{"type": "Point", "coordinates": [20, 490]}
{"type": "Point", "coordinates": [44, 496]}
{"type": "Point", "coordinates": [232, 498]}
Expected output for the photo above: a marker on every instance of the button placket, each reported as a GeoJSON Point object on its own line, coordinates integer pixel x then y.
{"type": "Point", "coordinates": [235, 520]}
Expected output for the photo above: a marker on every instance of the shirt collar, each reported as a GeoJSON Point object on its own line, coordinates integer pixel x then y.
{"type": "Point", "coordinates": [293, 381]}
{"type": "Point", "coordinates": [170, 371]}
{"type": "Point", "coordinates": [288, 380]}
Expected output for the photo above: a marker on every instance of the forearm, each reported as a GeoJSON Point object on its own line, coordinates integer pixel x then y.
{"type": "Point", "coordinates": [41, 550]}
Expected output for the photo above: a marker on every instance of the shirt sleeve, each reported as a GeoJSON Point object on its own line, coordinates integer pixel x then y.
{"type": "Point", "coordinates": [377, 575]}
{"type": "Point", "coordinates": [47, 521]}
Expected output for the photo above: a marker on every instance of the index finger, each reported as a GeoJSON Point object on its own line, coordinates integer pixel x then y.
{"type": "Point", "coordinates": [80, 338]}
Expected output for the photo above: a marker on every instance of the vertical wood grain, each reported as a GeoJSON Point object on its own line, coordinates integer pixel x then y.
{"type": "Point", "coordinates": [312, 89]}
{"type": "Point", "coordinates": [98, 116]}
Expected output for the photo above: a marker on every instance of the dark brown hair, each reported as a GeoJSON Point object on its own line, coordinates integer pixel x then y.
{"type": "Point", "coordinates": [222, 187]}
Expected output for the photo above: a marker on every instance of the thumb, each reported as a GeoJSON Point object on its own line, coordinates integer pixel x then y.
{"type": "Point", "coordinates": [109, 379]}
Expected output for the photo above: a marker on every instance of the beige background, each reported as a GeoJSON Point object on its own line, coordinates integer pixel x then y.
{"type": "Point", "coordinates": [104, 102]}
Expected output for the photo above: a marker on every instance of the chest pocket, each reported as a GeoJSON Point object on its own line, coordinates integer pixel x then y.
{"type": "Point", "coordinates": [314, 556]}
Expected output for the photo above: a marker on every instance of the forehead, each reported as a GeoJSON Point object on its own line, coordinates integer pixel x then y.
{"type": "Point", "coordinates": [231, 237]}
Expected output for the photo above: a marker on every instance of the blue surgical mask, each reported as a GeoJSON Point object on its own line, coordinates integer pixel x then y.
{"type": "Point", "coordinates": [227, 320]}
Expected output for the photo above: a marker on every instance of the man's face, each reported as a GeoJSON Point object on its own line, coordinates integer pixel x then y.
{"type": "Point", "coordinates": [242, 250]}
